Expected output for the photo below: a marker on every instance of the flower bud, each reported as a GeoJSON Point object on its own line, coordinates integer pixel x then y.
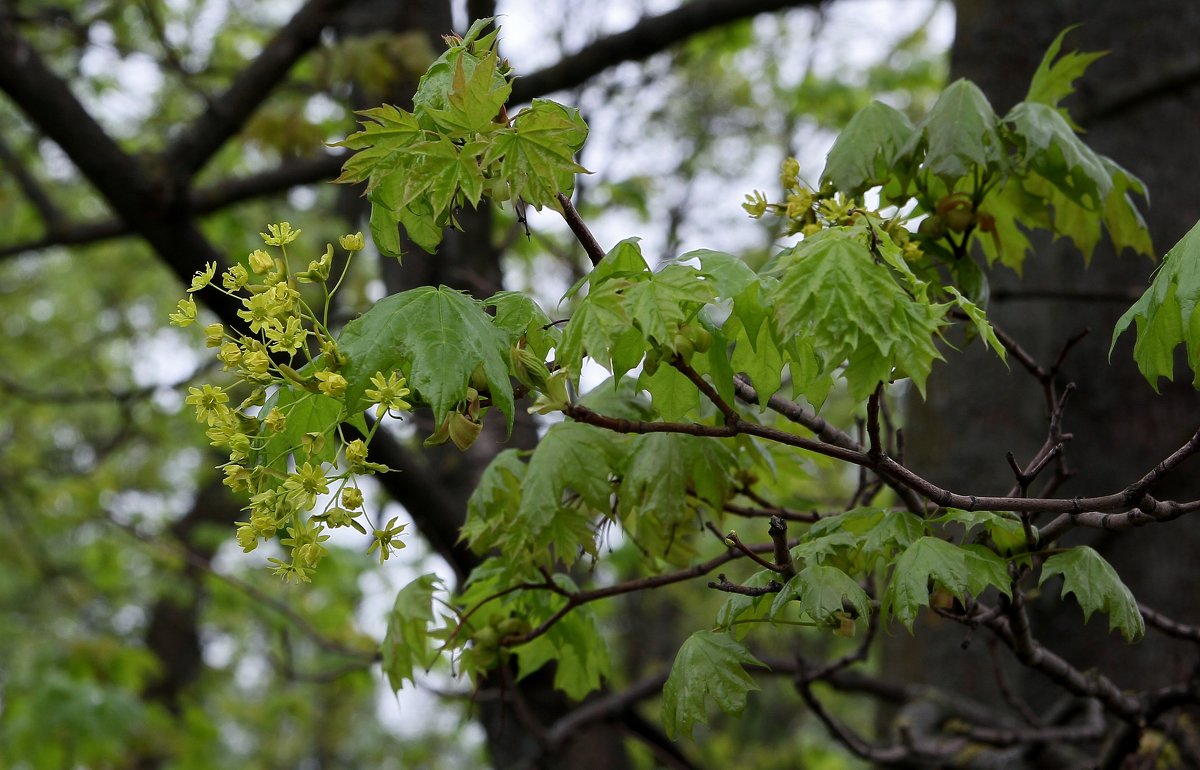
{"type": "Point", "coordinates": [261, 261]}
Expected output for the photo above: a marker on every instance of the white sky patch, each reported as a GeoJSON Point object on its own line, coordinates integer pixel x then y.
{"type": "Point", "coordinates": [135, 78]}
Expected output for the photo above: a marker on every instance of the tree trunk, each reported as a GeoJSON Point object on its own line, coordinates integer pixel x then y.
{"type": "Point", "coordinates": [1138, 109]}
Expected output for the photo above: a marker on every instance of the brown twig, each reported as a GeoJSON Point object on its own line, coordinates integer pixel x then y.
{"type": "Point", "coordinates": [584, 235]}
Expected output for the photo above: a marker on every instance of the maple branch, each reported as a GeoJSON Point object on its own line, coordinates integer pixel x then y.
{"type": "Point", "coordinates": [1132, 496]}
{"type": "Point", "coordinates": [228, 112]}
{"type": "Point", "coordinates": [580, 598]}
{"type": "Point", "coordinates": [591, 246]}
{"type": "Point", "coordinates": [828, 433]}
{"type": "Point", "coordinates": [644, 39]}
{"type": "Point", "coordinates": [605, 707]}
{"type": "Point", "coordinates": [783, 513]}
{"type": "Point", "coordinates": [857, 745]}
{"type": "Point", "coordinates": [1092, 684]}
{"type": "Point", "coordinates": [204, 200]}
{"type": "Point", "coordinates": [1170, 627]}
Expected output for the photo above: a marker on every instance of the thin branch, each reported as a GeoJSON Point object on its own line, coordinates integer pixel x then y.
{"type": "Point", "coordinates": [855, 743]}
{"type": "Point", "coordinates": [1091, 729]}
{"type": "Point", "coordinates": [646, 38]}
{"type": "Point", "coordinates": [604, 708]}
{"type": "Point", "coordinates": [631, 586]}
{"type": "Point", "coordinates": [205, 200]}
{"type": "Point", "coordinates": [1134, 495]}
{"type": "Point", "coordinates": [723, 584]}
{"type": "Point", "coordinates": [1059, 671]}
{"type": "Point", "coordinates": [797, 414]}
{"type": "Point", "coordinates": [1149, 511]}
{"type": "Point", "coordinates": [1170, 627]}
{"type": "Point", "coordinates": [783, 513]}
{"type": "Point", "coordinates": [48, 210]}
{"type": "Point", "coordinates": [874, 445]}
{"type": "Point", "coordinates": [250, 89]}
{"type": "Point", "coordinates": [731, 415]}
{"type": "Point", "coordinates": [584, 235]}
{"type": "Point", "coordinates": [783, 555]}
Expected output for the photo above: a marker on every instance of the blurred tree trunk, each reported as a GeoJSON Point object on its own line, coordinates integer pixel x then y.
{"type": "Point", "coordinates": [1138, 106]}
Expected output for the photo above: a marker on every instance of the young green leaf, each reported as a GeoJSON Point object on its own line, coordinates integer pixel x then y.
{"type": "Point", "coordinates": [571, 458]}
{"type": "Point", "coordinates": [838, 298]}
{"type": "Point", "coordinates": [673, 395]}
{"type": "Point", "coordinates": [979, 318]}
{"type": "Point", "coordinates": [822, 591]}
{"type": "Point", "coordinates": [492, 507]}
{"type": "Point", "coordinates": [477, 92]}
{"type": "Point", "coordinates": [438, 337]}
{"type": "Point", "coordinates": [959, 133]}
{"type": "Point", "coordinates": [864, 152]}
{"type": "Point", "coordinates": [709, 664]}
{"type": "Point", "coordinates": [305, 413]}
{"type": "Point", "coordinates": [1055, 77]}
{"type": "Point", "coordinates": [1052, 149]}
{"type": "Point", "coordinates": [406, 645]}
{"type": "Point", "coordinates": [730, 275]}
{"type": "Point", "coordinates": [536, 156]}
{"type": "Point", "coordinates": [1165, 315]}
{"type": "Point", "coordinates": [580, 661]}
{"type": "Point", "coordinates": [1096, 586]}
{"type": "Point", "coordinates": [666, 300]}
{"type": "Point", "coordinates": [926, 559]}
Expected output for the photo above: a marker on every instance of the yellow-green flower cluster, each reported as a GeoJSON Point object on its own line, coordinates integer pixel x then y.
{"type": "Point", "coordinates": [804, 211]}
{"type": "Point", "coordinates": [286, 367]}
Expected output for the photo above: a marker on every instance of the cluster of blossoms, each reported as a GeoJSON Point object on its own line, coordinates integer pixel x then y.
{"type": "Point", "coordinates": [808, 211]}
{"type": "Point", "coordinates": [288, 369]}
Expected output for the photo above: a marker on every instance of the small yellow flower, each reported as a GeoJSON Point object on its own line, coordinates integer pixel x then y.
{"type": "Point", "coordinates": [203, 277]}
{"type": "Point", "coordinates": [352, 498]}
{"type": "Point", "coordinates": [286, 338]}
{"type": "Point", "coordinates": [386, 540]}
{"type": "Point", "coordinates": [352, 242]}
{"type": "Point", "coordinates": [303, 486]}
{"type": "Point", "coordinates": [235, 277]}
{"type": "Point", "coordinates": [260, 309]}
{"type": "Point", "coordinates": [332, 383]}
{"type": "Point", "coordinates": [237, 477]}
{"type": "Point", "coordinates": [209, 403]}
{"type": "Point", "coordinates": [290, 572]}
{"type": "Point", "coordinates": [256, 364]}
{"type": "Point", "coordinates": [318, 269]}
{"type": "Point", "coordinates": [356, 455]}
{"type": "Point", "coordinates": [282, 299]}
{"type": "Point", "coordinates": [261, 261]}
{"type": "Point", "coordinates": [247, 538]}
{"type": "Point", "coordinates": [789, 174]}
{"type": "Point", "coordinates": [275, 420]}
{"type": "Point", "coordinates": [755, 205]}
{"type": "Point", "coordinates": [799, 203]}
{"type": "Point", "coordinates": [186, 313]}
{"type": "Point", "coordinates": [214, 335]}
{"type": "Point", "coordinates": [310, 554]}
{"type": "Point", "coordinates": [340, 517]}
{"type": "Point", "coordinates": [230, 354]}
{"type": "Point", "coordinates": [389, 394]}
{"type": "Point", "coordinates": [281, 234]}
